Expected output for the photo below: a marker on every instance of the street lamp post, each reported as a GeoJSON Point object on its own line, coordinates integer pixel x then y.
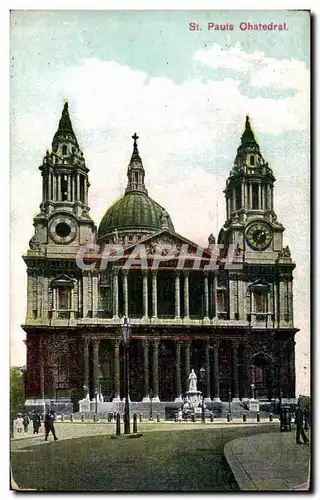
{"type": "Point", "coordinates": [229, 392]}
{"type": "Point", "coordinates": [252, 388]}
{"type": "Point", "coordinates": [96, 402]}
{"type": "Point", "coordinates": [202, 374]}
{"type": "Point", "coordinates": [150, 396]}
{"type": "Point", "coordinates": [126, 337]}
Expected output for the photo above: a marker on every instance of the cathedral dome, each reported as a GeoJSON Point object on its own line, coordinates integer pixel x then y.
{"type": "Point", "coordinates": [135, 210]}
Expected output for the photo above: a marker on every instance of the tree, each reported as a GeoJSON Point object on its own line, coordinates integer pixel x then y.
{"type": "Point", "coordinates": [17, 396]}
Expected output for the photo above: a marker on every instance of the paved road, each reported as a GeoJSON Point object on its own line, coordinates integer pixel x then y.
{"type": "Point", "coordinates": [71, 430]}
{"type": "Point", "coordinates": [269, 462]}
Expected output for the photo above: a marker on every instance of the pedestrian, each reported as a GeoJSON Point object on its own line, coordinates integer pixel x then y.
{"type": "Point", "coordinates": [19, 423]}
{"type": "Point", "coordinates": [49, 425]}
{"type": "Point", "coordinates": [26, 422]}
{"type": "Point", "coordinates": [306, 418]}
{"type": "Point", "coordinates": [299, 425]}
{"type": "Point", "coordinates": [36, 420]}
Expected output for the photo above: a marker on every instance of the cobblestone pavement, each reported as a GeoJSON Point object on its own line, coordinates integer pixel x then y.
{"type": "Point", "coordinates": [268, 462]}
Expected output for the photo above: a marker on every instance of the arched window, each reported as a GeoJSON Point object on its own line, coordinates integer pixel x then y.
{"type": "Point", "coordinates": [64, 150]}
{"type": "Point", "coordinates": [251, 160]}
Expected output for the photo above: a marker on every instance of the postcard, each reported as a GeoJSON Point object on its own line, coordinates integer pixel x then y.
{"type": "Point", "coordinates": [160, 221]}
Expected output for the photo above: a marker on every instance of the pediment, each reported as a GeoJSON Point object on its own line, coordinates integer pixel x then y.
{"type": "Point", "coordinates": [62, 281]}
{"type": "Point", "coordinates": [259, 285]}
{"type": "Point", "coordinates": [166, 240]}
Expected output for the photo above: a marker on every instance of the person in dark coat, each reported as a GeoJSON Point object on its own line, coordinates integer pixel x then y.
{"type": "Point", "coordinates": [36, 420]}
{"type": "Point", "coordinates": [26, 422]}
{"type": "Point", "coordinates": [49, 425]}
{"type": "Point", "coordinates": [299, 425]}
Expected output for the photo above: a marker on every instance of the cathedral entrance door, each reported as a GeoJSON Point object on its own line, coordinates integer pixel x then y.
{"type": "Point", "coordinates": [262, 376]}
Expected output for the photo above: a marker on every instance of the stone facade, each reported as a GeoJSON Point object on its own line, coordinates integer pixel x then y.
{"type": "Point", "coordinates": [235, 321]}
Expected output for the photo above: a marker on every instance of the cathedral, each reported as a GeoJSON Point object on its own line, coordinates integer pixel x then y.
{"type": "Point", "coordinates": [226, 310]}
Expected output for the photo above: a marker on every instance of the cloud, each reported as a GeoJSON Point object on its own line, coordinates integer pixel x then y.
{"type": "Point", "coordinates": [263, 71]}
{"type": "Point", "coordinates": [106, 93]}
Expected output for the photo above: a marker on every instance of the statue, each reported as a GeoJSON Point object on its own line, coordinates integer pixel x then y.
{"type": "Point", "coordinates": [285, 253]}
{"type": "Point", "coordinates": [115, 237]}
{"type": "Point", "coordinates": [238, 250]}
{"type": "Point", "coordinates": [192, 381]}
{"type": "Point", "coordinates": [164, 219]}
{"type": "Point", "coordinates": [101, 398]}
{"type": "Point", "coordinates": [33, 244]}
{"type": "Point", "coordinates": [211, 240]}
{"type": "Point", "coordinates": [86, 393]}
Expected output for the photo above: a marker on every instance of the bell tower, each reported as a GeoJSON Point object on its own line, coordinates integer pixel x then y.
{"type": "Point", "coordinates": [64, 218]}
{"type": "Point", "coordinates": [251, 220]}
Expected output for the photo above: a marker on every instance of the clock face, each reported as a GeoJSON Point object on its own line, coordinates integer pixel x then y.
{"type": "Point", "coordinates": [259, 236]}
{"type": "Point", "coordinates": [63, 229]}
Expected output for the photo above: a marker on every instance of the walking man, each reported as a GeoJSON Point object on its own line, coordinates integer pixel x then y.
{"type": "Point", "coordinates": [26, 422]}
{"type": "Point", "coordinates": [299, 425]}
{"type": "Point", "coordinates": [49, 425]}
{"type": "Point", "coordinates": [36, 423]}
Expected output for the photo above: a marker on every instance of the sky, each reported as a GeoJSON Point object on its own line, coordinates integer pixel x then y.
{"type": "Point", "coordinates": [186, 94]}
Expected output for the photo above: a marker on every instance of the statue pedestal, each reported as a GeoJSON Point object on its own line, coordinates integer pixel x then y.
{"type": "Point", "coordinates": [253, 405]}
{"type": "Point", "coordinates": [193, 398]}
{"type": "Point", "coordinates": [84, 406]}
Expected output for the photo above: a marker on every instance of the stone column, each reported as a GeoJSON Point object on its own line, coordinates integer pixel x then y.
{"type": "Point", "coordinates": [54, 187]}
{"type": "Point", "coordinates": [290, 302]}
{"type": "Point", "coordinates": [235, 372]}
{"type": "Point", "coordinates": [50, 186]}
{"type": "Point", "coordinates": [96, 364]}
{"type": "Point", "coordinates": [186, 295]}
{"type": "Point", "coordinates": [214, 296]}
{"type": "Point", "coordinates": [86, 362]}
{"type": "Point", "coordinates": [154, 295]}
{"type": "Point", "coordinates": [206, 296]}
{"type": "Point", "coordinates": [187, 364]}
{"type": "Point", "coordinates": [178, 398]}
{"type": "Point", "coordinates": [155, 369]}
{"type": "Point", "coordinates": [243, 195]}
{"type": "Point", "coordinates": [116, 397]}
{"type": "Point", "coordinates": [228, 207]}
{"type": "Point", "coordinates": [216, 371]}
{"type": "Point", "coordinates": [271, 198]}
{"type": "Point", "coordinates": [29, 295]}
{"type": "Point", "coordinates": [125, 292]}
{"type": "Point", "coordinates": [233, 199]}
{"type": "Point", "coordinates": [73, 188]}
{"type": "Point", "coordinates": [41, 361]}
{"type": "Point", "coordinates": [260, 196]}
{"type": "Point", "coordinates": [115, 301]}
{"type": "Point", "coordinates": [207, 368]}
{"type": "Point", "coordinates": [69, 188]}
{"type": "Point", "coordinates": [145, 293]}
{"type": "Point", "coordinates": [177, 295]}
{"type": "Point", "coordinates": [78, 187]}
{"type": "Point", "coordinates": [263, 197]}
{"type": "Point", "coordinates": [85, 188]}
{"type": "Point", "coordinates": [145, 344]}
{"type": "Point", "coordinates": [85, 293]}
{"type": "Point", "coordinates": [59, 188]}
{"type": "Point", "coordinates": [54, 303]}
{"type": "Point", "coordinates": [94, 295]}
{"type": "Point", "coordinates": [250, 196]}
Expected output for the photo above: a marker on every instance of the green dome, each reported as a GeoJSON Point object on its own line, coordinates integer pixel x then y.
{"type": "Point", "coordinates": [133, 211]}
